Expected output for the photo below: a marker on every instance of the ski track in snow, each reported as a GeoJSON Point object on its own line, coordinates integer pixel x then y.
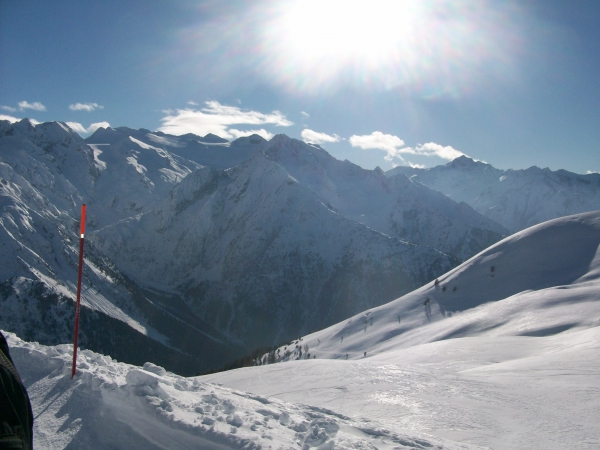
{"type": "Point", "coordinates": [114, 405]}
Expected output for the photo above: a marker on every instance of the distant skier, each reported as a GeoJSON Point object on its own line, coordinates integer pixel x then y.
{"type": "Point", "coordinates": [16, 417]}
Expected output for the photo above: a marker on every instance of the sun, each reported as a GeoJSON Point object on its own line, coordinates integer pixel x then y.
{"type": "Point", "coordinates": [347, 31]}
{"type": "Point", "coordinates": [436, 47]}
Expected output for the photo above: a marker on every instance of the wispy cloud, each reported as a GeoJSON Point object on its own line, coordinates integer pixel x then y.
{"type": "Point", "coordinates": [89, 107]}
{"type": "Point", "coordinates": [433, 149]}
{"type": "Point", "coordinates": [77, 127]}
{"type": "Point", "coordinates": [394, 147]}
{"type": "Point", "coordinates": [217, 118]}
{"type": "Point", "coordinates": [305, 114]}
{"type": "Point", "coordinates": [315, 137]}
{"type": "Point", "coordinates": [8, 108]}
{"type": "Point", "coordinates": [11, 119]}
{"type": "Point", "coordinates": [93, 127]}
{"type": "Point", "coordinates": [36, 106]}
{"type": "Point", "coordinates": [262, 132]}
{"type": "Point", "coordinates": [193, 103]}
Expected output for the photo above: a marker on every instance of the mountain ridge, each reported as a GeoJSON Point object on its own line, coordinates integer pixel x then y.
{"type": "Point", "coordinates": [517, 199]}
{"type": "Point", "coordinates": [232, 246]}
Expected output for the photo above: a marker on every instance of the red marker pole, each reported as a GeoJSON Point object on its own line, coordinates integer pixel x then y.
{"type": "Point", "coordinates": [77, 306]}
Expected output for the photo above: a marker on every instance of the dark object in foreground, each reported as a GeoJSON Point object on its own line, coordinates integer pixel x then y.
{"type": "Point", "coordinates": [16, 417]}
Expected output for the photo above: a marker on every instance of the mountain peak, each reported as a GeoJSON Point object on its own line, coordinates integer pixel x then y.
{"type": "Point", "coordinates": [462, 161]}
{"type": "Point", "coordinates": [252, 139]}
{"type": "Point", "coordinates": [106, 135]}
{"type": "Point", "coordinates": [213, 139]}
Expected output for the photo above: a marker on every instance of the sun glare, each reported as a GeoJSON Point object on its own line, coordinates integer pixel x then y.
{"type": "Point", "coordinates": [435, 47]}
{"type": "Point", "coordinates": [347, 30]}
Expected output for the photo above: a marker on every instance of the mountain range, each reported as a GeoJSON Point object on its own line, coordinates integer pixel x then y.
{"type": "Point", "coordinates": [516, 199]}
{"type": "Point", "coordinates": [199, 249]}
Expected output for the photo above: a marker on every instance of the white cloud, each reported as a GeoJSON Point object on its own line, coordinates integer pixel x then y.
{"type": "Point", "coordinates": [394, 147]}
{"type": "Point", "coordinates": [315, 137]}
{"type": "Point", "coordinates": [193, 103]}
{"type": "Point", "coordinates": [216, 118]}
{"type": "Point", "coordinates": [592, 171]}
{"type": "Point", "coordinates": [305, 114]}
{"type": "Point", "coordinates": [36, 106]}
{"type": "Point", "coordinates": [11, 119]}
{"type": "Point", "coordinates": [77, 127]}
{"type": "Point", "coordinates": [379, 141]}
{"type": "Point", "coordinates": [8, 108]}
{"type": "Point", "coordinates": [85, 107]}
{"type": "Point", "coordinates": [433, 149]}
{"type": "Point", "coordinates": [262, 132]}
{"type": "Point", "coordinates": [93, 127]}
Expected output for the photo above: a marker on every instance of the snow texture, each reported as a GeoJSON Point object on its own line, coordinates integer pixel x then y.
{"type": "Point", "coordinates": [111, 405]}
{"type": "Point", "coordinates": [507, 360]}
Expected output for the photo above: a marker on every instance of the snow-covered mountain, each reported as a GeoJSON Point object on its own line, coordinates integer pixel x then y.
{"type": "Point", "coordinates": [202, 249]}
{"type": "Point", "coordinates": [396, 206]}
{"type": "Point", "coordinates": [508, 359]}
{"type": "Point", "coordinates": [552, 268]}
{"type": "Point", "coordinates": [46, 172]}
{"type": "Point", "coordinates": [259, 254]}
{"type": "Point", "coordinates": [292, 240]}
{"type": "Point", "coordinates": [209, 150]}
{"type": "Point", "coordinates": [516, 199]}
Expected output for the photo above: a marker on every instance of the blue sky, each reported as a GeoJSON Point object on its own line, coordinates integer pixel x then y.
{"type": "Point", "coordinates": [379, 82]}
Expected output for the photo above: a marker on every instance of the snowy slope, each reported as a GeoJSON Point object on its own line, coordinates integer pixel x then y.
{"type": "Point", "coordinates": [540, 281]}
{"type": "Point", "coordinates": [515, 367]}
{"type": "Point", "coordinates": [508, 361]}
{"type": "Point", "coordinates": [517, 199]}
{"type": "Point", "coordinates": [111, 405]}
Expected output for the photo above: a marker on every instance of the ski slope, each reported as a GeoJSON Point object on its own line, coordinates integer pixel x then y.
{"type": "Point", "coordinates": [505, 361]}
{"type": "Point", "coordinates": [508, 361]}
